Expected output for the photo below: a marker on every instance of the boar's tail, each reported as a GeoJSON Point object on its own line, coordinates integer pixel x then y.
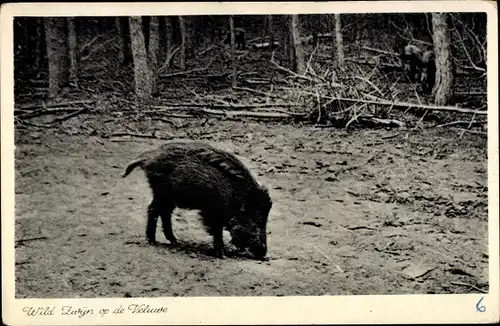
{"type": "Point", "coordinates": [135, 163]}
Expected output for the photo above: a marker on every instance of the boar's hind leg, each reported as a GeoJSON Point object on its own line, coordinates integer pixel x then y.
{"type": "Point", "coordinates": [153, 214]}
{"type": "Point", "coordinates": [166, 221]}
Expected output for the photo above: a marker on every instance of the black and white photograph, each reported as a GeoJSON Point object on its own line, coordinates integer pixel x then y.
{"type": "Point", "coordinates": [158, 154]}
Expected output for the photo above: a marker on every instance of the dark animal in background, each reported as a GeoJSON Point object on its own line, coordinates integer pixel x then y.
{"type": "Point", "coordinates": [428, 71]}
{"type": "Point", "coordinates": [410, 56]}
{"type": "Point", "coordinates": [419, 65]}
{"type": "Point", "coordinates": [195, 175]}
{"type": "Point", "coordinates": [239, 38]}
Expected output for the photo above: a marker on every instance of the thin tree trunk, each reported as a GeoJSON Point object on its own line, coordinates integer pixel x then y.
{"type": "Point", "coordinates": [233, 51]}
{"type": "Point", "coordinates": [339, 44]}
{"type": "Point", "coordinates": [190, 36]}
{"type": "Point", "coordinates": [182, 54]}
{"type": "Point", "coordinates": [169, 37]}
{"type": "Point", "coordinates": [443, 88]}
{"type": "Point", "coordinates": [154, 40]}
{"type": "Point", "coordinates": [122, 23]}
{"type": "Point", "coordinates": [270, 30]}
{"type": "Point", "coordinates": [142, 72]}
{"type": "Point", "coordinates": [73, 56]}
{"type": "Point", "coordinates": [145, 30]}
{"type": "Point", "coordinates": [298, 52]}
{"type": "Point", "coordinates": [56, 34]}
{"type": "Point", "coordinates": [38, 44]}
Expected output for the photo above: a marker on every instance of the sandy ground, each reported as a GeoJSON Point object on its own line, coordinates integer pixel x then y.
{"type": "Point", "coordinates": [358, 212]}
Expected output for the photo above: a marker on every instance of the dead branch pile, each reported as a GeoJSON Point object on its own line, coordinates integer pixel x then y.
{"type": "Point", "coordinates": [369, 89]}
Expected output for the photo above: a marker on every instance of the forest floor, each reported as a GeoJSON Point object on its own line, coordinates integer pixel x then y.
{"type": "Point", "coordinates": [354, 212]}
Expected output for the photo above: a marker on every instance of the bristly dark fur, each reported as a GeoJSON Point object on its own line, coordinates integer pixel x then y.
{"type": "Point", "coordinates": [195, 175]}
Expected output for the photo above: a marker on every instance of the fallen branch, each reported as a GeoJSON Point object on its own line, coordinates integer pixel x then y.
{"type": "Point", "coordinates": [121, 134]}
{"type": "Point", "coordinates": [261, 81]}
{"type": "Point", "coordinates": [33, 124]}
{"type": "Point", "coordinates": [69, 115]}
{"type": "Point", "coordinates": [379, 51]}
{"type": "Point", "coordinates": [389, 122]}
{"type": "Point", "coordinates": [471, 93]}
{"type": "Point", "coordinates": [89, 43]}
{"type": "Point", "coordinates": [181, 106]}
{"type": "Point", "coordinates": [471, 131]}
{"type": "Point", "coordinates": [405, 105]}
{"type": "Point", "coordinates": [249, 114]}
{"type": "Point", "coordinates": [169, 57]}
{"type": "Point", "coordinates": [457, 123]}
{"type": "Point", "coordinates": [51, 105]}
{"type": "Point", "coordinates": [288, 71]}
{"type": "Point", "coordinates": [168, 121]}
{"type": "Point", "coordinates": [250, 90]}
{"type": "Point", "coordinates": [187, 72]}
{"type": "Point", "coordinates": [44, 112]}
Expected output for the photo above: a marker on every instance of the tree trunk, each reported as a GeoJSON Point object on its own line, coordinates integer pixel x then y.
{"type": "Point", "coordinates": [56, 34]}
{"type": "Point", "coordinates": [190, 36]}
{"type": "Point", "coordinates": [233, 51]}
{"type": "Point", "coordinates": [169, 37]}
{"type": "Point", "coordinates": [154, 40]}
{"type": "Point", "coordinates": [142, 73]}
{"type": "Point", "coordinates": [73, 56]}
{"type": "Point", "coordinates": [297, 50]}
{"type": "Point", "coordinates": [443, 88]}
{"type": "Point", "coordinates": [182, 54]}
{"type": "Point", "coordinates": [339, 44]}
{"type": "Point", "coordinates": [122, 24]}
{"type": "Point", "coordinates": [145, 30]}
{"type": "Point", "coordinates": [270, 30]}
{"type": "Point", "coordinates": [39, 46]}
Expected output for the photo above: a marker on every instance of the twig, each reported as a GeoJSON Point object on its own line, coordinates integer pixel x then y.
{"type": "Point", "coordinates": [168, 121]}
{"type": "Point", "coordinates": [187, 72]}
{"type": "Point", "coordinates": [468, 127]}
{"type": "Point", "coordinates": [97, 48]}
{"type": "Point", "coordinates": [249, 114]}
{"type": "Point", "coordinates": [44, 112]}
{"type": "Point", "coordinates": [390, 136]}
{"type": "Point", "coordinates": [469, 285]}
{"type": "Point", "coordinates": [120, 134]}
{"type": "Point", "coordinates": [31, 239]}
{"type": "Point", "coordinates": [51, 105]}
{"type": "Point", "coordinates": [207, 50]}
{"type": "Point", "coordinates": [358, 227]}
{"type": "Point", "coordinates": [290, 72]}
{"type": "Point", "coordinates": [371, 84]}
{"type": "Point", "coordinates": [456, 123]}
{"type": "Point", "coordinates": [379, 51]}
{"type": "Point", "coordinates": [171, 115]}
{"type": "Point", "coordinates": [328, 258]}
{"type": "Point", "coordinates": [471, 131]}
{"type": "Point", "coordinates": [33, 124]}
{"type": "Point", "coordinates": [69, 115]}
{"type": "Point", "coordinates": [251, 90]}
{"type": "Point", "coordinates": [188, 106]}
{"type": "Point", "coordinates": [169, 57]}
{"type": "Point", "coordinates": [86, 45]}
